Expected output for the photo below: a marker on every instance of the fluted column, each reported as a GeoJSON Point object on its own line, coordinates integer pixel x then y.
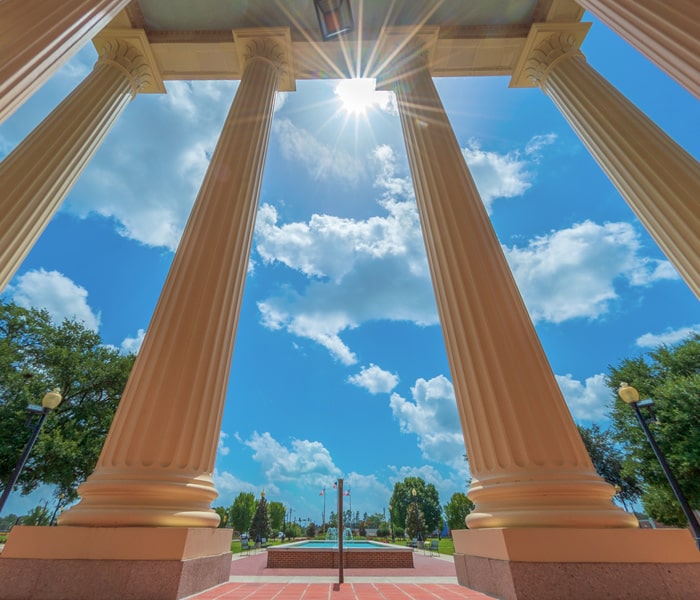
{"type": "Point", "coordinates": [659, 180]}
{"type": "Point", "coordinates": [157, 463]}
{"type": "Point", "coordinates": [38, 36]}
{"type": "Point", "coordinates": [39, 173]}
{"type": "Point", "coordinates": [529, 466]}
{"type": "Point", "coordinates": [667, 32]}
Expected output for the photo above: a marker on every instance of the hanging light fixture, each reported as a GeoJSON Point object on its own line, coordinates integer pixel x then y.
{"type": "Point", "coordinates": [334, 17]}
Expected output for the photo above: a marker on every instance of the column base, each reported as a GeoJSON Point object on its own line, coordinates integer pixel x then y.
{"type": "Point", "coordinates": [84, 563]}
{"type": "Point", "coordinates": [586, 564]}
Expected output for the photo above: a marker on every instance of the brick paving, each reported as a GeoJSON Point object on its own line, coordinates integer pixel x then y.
{"type": "Point", "coordinates": [432, 578]}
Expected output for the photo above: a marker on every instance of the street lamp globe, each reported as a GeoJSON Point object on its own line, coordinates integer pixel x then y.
{"type": "Point", "coordinates": [629, 394]}
{"type": "Point", "coordinates": [52, 399]}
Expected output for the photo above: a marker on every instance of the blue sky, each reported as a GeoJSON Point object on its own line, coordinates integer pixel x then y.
{"type": "Point", "coordinates": [339, 368]}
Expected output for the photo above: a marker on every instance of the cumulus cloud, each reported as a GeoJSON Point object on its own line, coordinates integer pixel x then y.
{"type": "Point", "coordinates": [221, 447]}
{"type": "Point", "coordinates": [56, 293]}
{"type": "Point", "coordinates": [588, 400]}
{"type": "Point", "coordinates": [360, 270]}
{"type": "Point", "coordinates": [307, 462]}
{"type": "Point", "coordinates": [133, 344]}
{"type": "Point", "coordinates": [148, 188]}
{"type": "Point", "coordinates": [230, 486]}
{"type": "Point", "coordinates": [504, 175]}
{"type": "Point", "coordinates": [571, 273]}
{"type": "Point", "coordinates": [432, 416]}
{"type": "Point", "coordinates": [322, 161]}
{"type": "Point", "coordinates": [668, 337]}
{"type": "Point", "coordinates": [375, 379]}
{"type": "Point", "coordinates": [446, 486]}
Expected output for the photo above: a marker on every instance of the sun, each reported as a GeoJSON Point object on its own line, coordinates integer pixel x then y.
{"type": "Point", "coordinates": [357, 96]}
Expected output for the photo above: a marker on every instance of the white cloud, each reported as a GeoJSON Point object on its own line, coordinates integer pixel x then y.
{"type": "Point", "coordinates": [374, 379]}
{"type": "Point", "coordinates": [571, 273]}
{"type": "Point", "coordinates": [306, 462]}
{"type": "Point", "coordinates": [230, 486]}
{"type": "Point", "coordinates": [56, 293]}
{"type": "Point", "coordinates": [587, 401]}
{"type": "Point", "coordinates": [320, 160]}
{"type": "Point", "coordinates": [133, 344]}
{"type": "Point", "coordinates": [504, 175]}
{"type": "Point", "coordinates": [221, 447]}
{"type": "Point", "coordinates": [456, 481]}
{"type": "Point", "coordinates": [361, 270]}
{"type": "Point", "coordinates": [433, 417]}
{"type": "Point", "coordinates": [668, 337]}
{"type": "Point", "coordinates": [148, 187]}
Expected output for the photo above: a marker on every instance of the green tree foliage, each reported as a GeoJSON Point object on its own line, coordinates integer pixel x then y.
{"type": "Point", "coordinates": [311, 530]}
{"type": "Point", "coordinates": [670, 376]}
{"type": "Point", "coordinates": [415, 522]}
{"type": "Point", "coordinates": [277, 511]}
{"type": "Point", "coordinates": [223, 515]}
{"type": "Point", "coordinates": [37, 355]}
{"type": "Point", "coordinates": [426, 497]}
{"type": "Point", "coordinates": [608, 459]}
{"type": "Point", "coordinates": [457, 510]}
{"type": "Point", "coordinates": [242, 511]}
{"type": "Point", "coordinates": [260, 527]}
{"type": "Point", "coordinates": [39, 515]}
{"type": "Point", "coordinates": [8, 521]}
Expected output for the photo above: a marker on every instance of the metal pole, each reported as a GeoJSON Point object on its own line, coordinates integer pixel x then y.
{"type": "Point", "coordinates": [340, 531]}
{"type": "Point", "coordinates": [22, 460]}
{"type": "Point", "coordinates": [685, 507]}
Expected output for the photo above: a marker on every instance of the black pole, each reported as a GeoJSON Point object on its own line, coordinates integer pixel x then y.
{"type": "Point", "coordinates": [22, 460]}
{"type": "Point", "coordinates": [685, 507]}
{"type": "Point", "coordinates": [340, 531]}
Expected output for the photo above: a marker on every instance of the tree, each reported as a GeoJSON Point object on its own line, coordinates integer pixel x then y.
{"type": "Point", "coordinates": [426, 497]}
{"type": "Point", "coordinates": [311, 530]}
{"type": "Point", "coordinates": [223, 515]}
{"type": "Point", "coordinates": [415, 522]}
{"type": "Point", "coordinates": [277, 512]}
{"type": "Point", "coordinates": [8, 521]}
{"type": "Point", "coordinates": [260, 527]}
{"type": "Point", "coordinates": [670, 376]}
{"type": "Point", "coordinates": [457, 510]}
{"type": "Point", "coordinates": [608, 460]}
{"type": "Point", "coordinates": [37, 355]}
{"type": "Point", "coordinates": [242, 511]}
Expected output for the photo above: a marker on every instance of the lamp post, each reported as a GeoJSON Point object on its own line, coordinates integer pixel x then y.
{"type": "Point", "coordinates": [631, 396]}
{"type": "Point", "coordinates": [414, 493]}
{"type": "Point", "coordinates": [391, 525]}
{"type": "Point", "coordinates": [50, 401]}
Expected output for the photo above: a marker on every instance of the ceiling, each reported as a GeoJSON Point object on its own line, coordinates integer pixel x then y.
{"type": "Point", "coordinates": [195, 39]}
{"type": "Point", "coordinates": [370, 15]}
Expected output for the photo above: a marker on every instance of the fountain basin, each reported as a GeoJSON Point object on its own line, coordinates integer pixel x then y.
{"type": "Point", "coordinates": [314, 554]}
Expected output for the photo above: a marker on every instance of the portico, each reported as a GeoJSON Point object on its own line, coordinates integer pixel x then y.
{"type": "Point", "coordinates": [532, 478]}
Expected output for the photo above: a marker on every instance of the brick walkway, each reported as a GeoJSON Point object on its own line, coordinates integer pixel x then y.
{"type": "Point", "coordinates": [432, 578]}
{"type": "Point", "coordinates": [346, 591]}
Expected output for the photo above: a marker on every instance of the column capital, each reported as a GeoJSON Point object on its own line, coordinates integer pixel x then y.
{"type": "Point", "coordinates": [397, 50]}
{"type": "Point", "coordinates": [273, 44]}
{"type": "Point", "coordinates": [546, 43]}
{"type": "Point", "coordinates": [130, 49]}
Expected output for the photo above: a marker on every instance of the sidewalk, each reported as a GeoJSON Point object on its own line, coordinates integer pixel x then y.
{"type": "Point", "coordinates": [432, 578]}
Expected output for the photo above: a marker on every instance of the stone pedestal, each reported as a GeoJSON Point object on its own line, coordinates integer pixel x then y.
{"type": "Point", "coordinates": [85, 563]}
{"type": "Point", "coordinates": [581, 564]}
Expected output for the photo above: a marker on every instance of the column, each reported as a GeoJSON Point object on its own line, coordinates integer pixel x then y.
{"type": "Point", "coordinates": [39, 173]}
{"type": "Point", "coordinates": [667, 32]}
{"type": "Point", "coordinates": [529, 466]}
{"type": "Point", "coordinates": [37, 37]}
{"type": "Point", "coordinates": [659, 180]}
{"type": "Point", "coordinates": [156, 466]}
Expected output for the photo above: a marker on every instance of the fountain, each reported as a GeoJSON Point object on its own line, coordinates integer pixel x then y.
{"type": "Point", "coordinates": [332, 535]}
